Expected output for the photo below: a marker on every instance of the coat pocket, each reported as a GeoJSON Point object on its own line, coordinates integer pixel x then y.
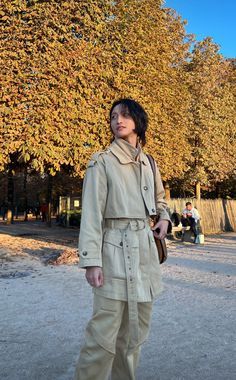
{"type": "Point", "coordinates": [112, 255]}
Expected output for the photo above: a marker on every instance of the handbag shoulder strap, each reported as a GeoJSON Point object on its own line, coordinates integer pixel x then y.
{"type": "Point", "coordinates": [153, 166]}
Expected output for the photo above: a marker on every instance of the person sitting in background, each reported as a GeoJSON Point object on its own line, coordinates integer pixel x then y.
{"type": "Point", "coordinates": [190, 217]}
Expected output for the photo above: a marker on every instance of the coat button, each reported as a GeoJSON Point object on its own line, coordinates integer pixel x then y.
{"type": "Point", "coordinates": [145, 188]}
{"type": "Point", "coordinates": [121, 244]}
{"type": "Point", "coordinates": [85, 253]}
{"type": "Point", "coordinates": [153, 210]}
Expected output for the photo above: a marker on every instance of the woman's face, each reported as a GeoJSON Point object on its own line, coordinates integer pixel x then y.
{"type": "Point", "coordinates": [122, 124]}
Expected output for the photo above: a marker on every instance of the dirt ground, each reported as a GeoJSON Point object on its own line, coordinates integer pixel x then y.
{"type": "Point", "coordinates": [46, 302]}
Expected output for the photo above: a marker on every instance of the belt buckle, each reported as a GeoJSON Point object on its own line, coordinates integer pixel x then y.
{"type": "Point", "coordinates": [141, 224]}
{"type": "Point", "coordinates": [138, 225]}
{"type": "Point", "coordinates": [133, 225]}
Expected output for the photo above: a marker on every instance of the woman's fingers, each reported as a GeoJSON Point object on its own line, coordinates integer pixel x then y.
{"type": "Point", "coordinates": [94, 276]}
{"type": "Point", "coordinates": [160, 229]}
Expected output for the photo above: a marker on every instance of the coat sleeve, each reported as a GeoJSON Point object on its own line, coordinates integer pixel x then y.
{"type": "Point", "coordinates": [196, 214]}
{"type": "Point", "coordinates": [161, 205]}
{"type": "Point", "coordinates": [93, 205]}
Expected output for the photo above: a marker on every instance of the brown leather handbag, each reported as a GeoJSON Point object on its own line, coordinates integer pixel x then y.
{"type": "Point", "coordinates": [162, 249]}
{"type": "Point", "coordinates": [160, 243]}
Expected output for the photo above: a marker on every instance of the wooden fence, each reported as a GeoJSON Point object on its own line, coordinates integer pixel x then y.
{"type": "Point", "coordinates": [217, 215]}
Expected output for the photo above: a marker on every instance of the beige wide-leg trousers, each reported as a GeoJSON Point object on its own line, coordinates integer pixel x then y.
{"type": "Point", "coordinates": [107, 341]}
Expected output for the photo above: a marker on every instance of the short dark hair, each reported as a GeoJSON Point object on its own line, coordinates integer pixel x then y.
{"type": "Point", "coordinates": [188, 204]}
{"type": "Point", "coordinates": [138, 115]}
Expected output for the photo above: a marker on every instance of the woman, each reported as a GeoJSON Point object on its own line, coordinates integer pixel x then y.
{"type": "Point", "coordinates": [117, 248]}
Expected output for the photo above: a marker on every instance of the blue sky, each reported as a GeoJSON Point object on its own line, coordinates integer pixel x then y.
{"type": "Point", "coordinates": [210, 18]}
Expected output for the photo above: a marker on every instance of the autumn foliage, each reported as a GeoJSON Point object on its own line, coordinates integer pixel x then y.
{"type": "Point", "coordinates": [64, 62]}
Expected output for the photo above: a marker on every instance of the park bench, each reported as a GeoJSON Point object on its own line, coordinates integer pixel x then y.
{"type": "Point", "coordinates": [178, 232]}
{"type": "Point", "coordinates": [184, 233]}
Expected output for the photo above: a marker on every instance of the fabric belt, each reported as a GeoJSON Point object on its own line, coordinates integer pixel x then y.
{"type": "Point", "coordinates": [123, 224]}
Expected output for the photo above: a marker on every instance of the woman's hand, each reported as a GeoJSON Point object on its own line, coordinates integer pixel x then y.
{"type": "Point", "coordinates": [162, 226]}
{"type": "Point", "coordinates": [94, 276]}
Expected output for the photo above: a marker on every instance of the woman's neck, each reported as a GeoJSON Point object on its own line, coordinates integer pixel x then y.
{"type": "Point", "coordinates": [132, 140]}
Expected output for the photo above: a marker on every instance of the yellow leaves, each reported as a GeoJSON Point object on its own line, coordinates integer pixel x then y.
{"type": "Point", "coordinates": [65, 62]}
{"type": "Point", "coordinates": [65, 4]}
{"type": "Point", "coordinates": [26, 157]}
{"type": "Point", "coordinates": [210, 111]}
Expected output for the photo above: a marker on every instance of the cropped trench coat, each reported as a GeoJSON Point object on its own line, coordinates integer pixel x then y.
{"type": "Point", "coordinates": [119, 186]}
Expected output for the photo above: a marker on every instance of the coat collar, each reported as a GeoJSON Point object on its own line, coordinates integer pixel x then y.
{"type": "Point", "coordinates": [126, 153]}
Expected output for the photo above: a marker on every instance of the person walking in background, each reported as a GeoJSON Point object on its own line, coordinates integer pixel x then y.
{"type": "Point", "coordinates": [44, 212]}
{"type": "Point", "coordinates": [190, 217]}
{"type": "Point", "coordinates": [4, 210]}
{"type": "Point", "coordinates": [117, 247]}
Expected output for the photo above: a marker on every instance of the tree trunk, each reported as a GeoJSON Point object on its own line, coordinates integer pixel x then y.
{"type": "Point", "coordinates": [49, 201]}
{"type": "Point", "coordinates": [68, 212]}
{"type": "Point", "coordinates": [198, 190]}
{"type": "Point", "coordinates": [25, 195]}
{"type": "Point", "coordinates": [10, 197]}
{"type": "Point", "coordinates": [167, 191]}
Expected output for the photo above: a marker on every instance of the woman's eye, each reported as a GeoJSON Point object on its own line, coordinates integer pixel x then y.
{"type": "Point", "coordinates": [126, 114]}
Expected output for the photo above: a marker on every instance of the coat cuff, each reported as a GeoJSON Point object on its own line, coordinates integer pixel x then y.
{"type": "Point", "coordinates": [89, 263]}
{"type": "Point", "coordinates": [89, 259]}
{"type": "Point", "coordinates": [165, 216]}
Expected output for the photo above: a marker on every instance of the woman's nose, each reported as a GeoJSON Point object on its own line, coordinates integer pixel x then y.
{"type": "Point", "coordinates": [119, 119]}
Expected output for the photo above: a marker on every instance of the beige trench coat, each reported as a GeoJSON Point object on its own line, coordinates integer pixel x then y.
{"type": "Point", "coordinates": [119, 185]}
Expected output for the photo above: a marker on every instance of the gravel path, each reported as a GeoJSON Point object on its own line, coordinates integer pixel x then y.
{"type": "Point", "coordinates": [44, 310]}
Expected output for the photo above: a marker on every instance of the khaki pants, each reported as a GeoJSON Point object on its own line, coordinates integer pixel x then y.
{"type": "Point", "coordinates": [107, 349]}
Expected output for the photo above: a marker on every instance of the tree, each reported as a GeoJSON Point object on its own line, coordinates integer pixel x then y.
{"type": "Point", "coordinates": [211, 116]}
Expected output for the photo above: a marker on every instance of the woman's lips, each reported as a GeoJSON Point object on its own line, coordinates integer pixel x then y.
{"type": "Point", "coordinates": [119, 128]}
